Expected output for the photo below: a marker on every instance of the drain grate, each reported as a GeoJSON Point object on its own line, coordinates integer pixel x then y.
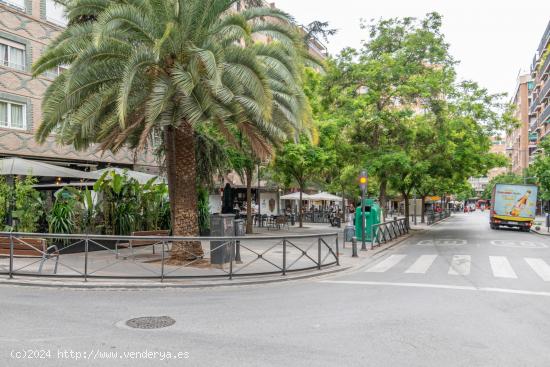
{"type": "Point", "coordinates": [151, 322]}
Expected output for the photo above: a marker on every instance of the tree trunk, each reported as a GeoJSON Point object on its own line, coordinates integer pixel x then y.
{"type": "Point", "coordinates": [300, 208]}
{"type": "Point", "coordinates": [422, 218]}
{"type": "Point", "coordinates": [181, 171]}
{"type": "Point", "coordinates": [248, 173]}
{"type": "Point", "coordinates": [407, 209]}
{"type": "Point", "coordinates": [382, 197]}
{"type": "Point", "coordinates": [344, 207]}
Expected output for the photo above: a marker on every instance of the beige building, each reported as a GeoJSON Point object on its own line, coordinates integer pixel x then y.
{"type": "Point", "coordinates": [26, 28]}
{"type": "Point", "coordinates": [517, 141]}
{"type": "Point", "coordinates": [498, 146]}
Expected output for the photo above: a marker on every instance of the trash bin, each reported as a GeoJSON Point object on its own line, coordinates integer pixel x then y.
{"type": "Point", "coordinates": [372, 216]}
{"type": "Point", "coordinates": [239, 228]}
{"type": "Point", "coordinates": [222, 225]}
{"type": "Point", "coordinates": [349, 233]}
{"type": "Point", "coordinates": [547, 220]}
{"type": "Point", "coordinates": [292, 219]}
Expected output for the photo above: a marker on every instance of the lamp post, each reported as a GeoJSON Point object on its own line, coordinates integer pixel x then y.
{"type": "Point", "coordinates": [363, 185]}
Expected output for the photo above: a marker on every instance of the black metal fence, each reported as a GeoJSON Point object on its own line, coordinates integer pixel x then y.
{"type": "Point", "coordinates": [388, 231]}
{"type": "Point", "coordinates": [151, 257]}
{"type": "Point", "coordinates": [433, 217]}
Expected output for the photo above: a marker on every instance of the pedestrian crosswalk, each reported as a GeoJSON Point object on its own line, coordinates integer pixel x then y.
{"type": "Point", "coordinates": [461, 265]}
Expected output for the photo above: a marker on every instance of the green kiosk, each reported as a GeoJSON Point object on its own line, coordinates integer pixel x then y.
{"type": "Point", "coordinates": [372, 216]}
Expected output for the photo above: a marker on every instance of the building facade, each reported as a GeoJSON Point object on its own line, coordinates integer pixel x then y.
{"type": "Point", "coordinates": [539, 110]}
{"type": "Point", "coordinates": [26, 28]}
{"type": "Point", "coordinates": [517, 140]}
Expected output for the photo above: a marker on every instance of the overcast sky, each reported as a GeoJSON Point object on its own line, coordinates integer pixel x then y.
{"type": "Point", "coordinates": [493, 39]}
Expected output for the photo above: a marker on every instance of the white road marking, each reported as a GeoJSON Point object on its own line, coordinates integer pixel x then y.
{"type": "Point", "coordinates": [386, 264]}
{"type": "Point", "coordinates": [422, 264]}
{"type": "Point", "coordinates": [442, 242]}
{"type": "Point", "coordinates": [501, 267]}
{"type": "Point", "coordinates": [519, 244]}
{"type": "Point", "coordinates": [460, 265]}
{"type": "Point", "coordinates": [540, 267]}
{"type": "Point", "coordinates": [440, 286]}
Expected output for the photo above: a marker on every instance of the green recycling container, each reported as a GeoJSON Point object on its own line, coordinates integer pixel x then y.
{"type": "Point", "coordinates": [372, 216]}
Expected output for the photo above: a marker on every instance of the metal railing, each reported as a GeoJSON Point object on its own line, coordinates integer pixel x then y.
{"type": "Point", "coordinates": [433, 217]}
{"type": "Point", "coordinates": [388, 231]}
{"type": "Point", "coordinates": [150, 257]}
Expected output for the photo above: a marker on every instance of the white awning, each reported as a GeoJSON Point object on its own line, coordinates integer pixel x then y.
{"type": "Point", "coordinates": [26, 167]}
{"type": "Point", "coordinates": [141, 177]}
{"type": "Point", "coordinates": [325, 196]}
{"type": "Point", "coordinates": [295, 196]}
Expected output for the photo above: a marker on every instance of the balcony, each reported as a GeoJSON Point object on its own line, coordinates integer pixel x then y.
{"type": "Point", "coordinates": [544, 40]}
{"type": "Point", "coordinates": [533, 105]}
{"type": "Point", "coordinates": [545, 116]}
{"type": "Point", "coordinates": [544, 91]}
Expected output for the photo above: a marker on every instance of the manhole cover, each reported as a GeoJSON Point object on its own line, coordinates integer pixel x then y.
{"type": "Point", "coordinates": [151, 322]}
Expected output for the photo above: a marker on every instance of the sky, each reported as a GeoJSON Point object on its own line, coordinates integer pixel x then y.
{"type": "Point", "coordinates": [493, 39]}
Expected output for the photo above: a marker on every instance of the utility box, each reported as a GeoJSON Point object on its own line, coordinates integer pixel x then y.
{"type": "Point", "coordinates": [222, 225]}
{"type": "Point", "coordinates": [372, 216]}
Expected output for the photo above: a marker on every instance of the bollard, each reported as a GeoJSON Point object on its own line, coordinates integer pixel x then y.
{"type": "Point", "coordinates": [354, 247]}
{"type": "Point", "coordinates": [238, 252]}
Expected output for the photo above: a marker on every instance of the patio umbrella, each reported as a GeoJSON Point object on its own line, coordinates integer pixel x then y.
{"type": "Point", "coordinates": [325, 196]}
{"type": "Point", "coordinates": [141, 177]}
{"type": "Point", "coordinates": [296, 196]}
{"type": "Point", "coordinates": [24, 167]}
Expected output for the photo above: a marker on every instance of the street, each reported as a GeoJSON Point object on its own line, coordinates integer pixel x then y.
{"type": "Point", "coordinates": [459, 294]}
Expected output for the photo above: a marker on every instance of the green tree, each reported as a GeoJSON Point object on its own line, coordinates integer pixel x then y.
{"type": "Point", "coordinates": [299, 163]}
{"type": "Point", "coordinates": [541, 169]}
{"type": "Point", "coordinates": [505, 178]}
{"type": "Point", "coordinates": [28, 204]}
{"type": "Point", "coordinates": [174, 67]}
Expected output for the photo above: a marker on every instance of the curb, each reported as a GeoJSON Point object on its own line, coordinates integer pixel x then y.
{"type": "Point", "coordinates": [164, 285]}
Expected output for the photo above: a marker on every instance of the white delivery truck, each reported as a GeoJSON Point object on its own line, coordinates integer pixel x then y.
{"type": "Point", "coordinates": [513, 206]}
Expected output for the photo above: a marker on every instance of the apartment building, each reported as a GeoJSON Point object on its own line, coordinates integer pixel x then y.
{"type": "Point", "coordinates": [26, 28]}
{"type": "Point", "coordinates": [518, 144]}
{"type": "Point", "coordinates": [539, 110]}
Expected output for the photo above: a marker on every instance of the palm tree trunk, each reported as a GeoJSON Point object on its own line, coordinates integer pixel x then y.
{"type": "Point", "coordinates": [181, 171]}
{"type": "Point", "coordinates": [248, 173]}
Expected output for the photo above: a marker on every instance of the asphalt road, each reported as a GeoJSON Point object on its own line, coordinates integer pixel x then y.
{"type": "Point", "coordinates": [457, 295]}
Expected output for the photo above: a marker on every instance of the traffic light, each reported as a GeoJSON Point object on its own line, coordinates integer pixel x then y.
{"type": "Point", "coordinates": [363, 179]}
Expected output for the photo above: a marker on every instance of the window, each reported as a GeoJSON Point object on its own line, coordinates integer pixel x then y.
{"type": "Point", "coordinates": [12, 54]}
{"type": "Point", "coordinates": [16, 3]}
{"type": "Point", "coordinates": [55, 13]}
{"type": "Point", "coordinates": [55, 72]}
{"type": "Point", "coordinates": [12, 115]}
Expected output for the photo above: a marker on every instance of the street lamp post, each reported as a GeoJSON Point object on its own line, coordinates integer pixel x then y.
{"type": "Point", "coordinates": [363, 185]}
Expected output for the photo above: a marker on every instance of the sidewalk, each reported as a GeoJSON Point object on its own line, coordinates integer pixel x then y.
{"type": "Point", "coordinates": [144, 264]}
{"type": "Point", "coordinates": [540, 222]}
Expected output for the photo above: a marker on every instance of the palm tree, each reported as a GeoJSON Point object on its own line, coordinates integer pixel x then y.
{"type": "Point", "coordinates": [175, 66]}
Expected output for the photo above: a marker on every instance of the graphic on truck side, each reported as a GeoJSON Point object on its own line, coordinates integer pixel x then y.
{"type": "Point", "coordinates": [515, 200]}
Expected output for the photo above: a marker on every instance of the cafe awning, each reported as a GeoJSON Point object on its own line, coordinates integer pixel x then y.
{"type": "Point", "coordinates": [140, 177]}
{"type": "Point", "coordinates": [25, 167]}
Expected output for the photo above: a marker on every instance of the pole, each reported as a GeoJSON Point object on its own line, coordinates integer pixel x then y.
{"type": "Point", "coordinates": [414, 209]}
{"type": "Point", "coordinates": [258, 196]}
{"type": "Point", "coordinates": [363, 234]}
